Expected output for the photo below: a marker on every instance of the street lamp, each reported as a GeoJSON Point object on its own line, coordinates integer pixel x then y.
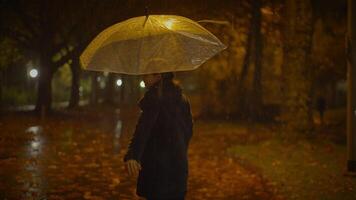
{"type": "Point", "coordinates": [142, 84]}
{"type": "Point", "coordinates": [119, 82]}
{"type": "Point", "coordinates": [33, 73]}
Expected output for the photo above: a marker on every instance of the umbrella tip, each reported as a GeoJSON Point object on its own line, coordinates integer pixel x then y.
{"type": "Point", "coordinates": [146, 11]}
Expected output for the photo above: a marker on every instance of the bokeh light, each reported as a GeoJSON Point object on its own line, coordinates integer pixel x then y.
{"type": "Point", "coordinates": [142, 84]}
{"type": "Point", "coordinates": [119, 82]}
{"type": "Point", "coordinates": [33, 73]}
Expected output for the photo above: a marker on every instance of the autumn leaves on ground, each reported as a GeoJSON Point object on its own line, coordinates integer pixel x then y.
{"type": "Point", "coordinates": [78, 155]}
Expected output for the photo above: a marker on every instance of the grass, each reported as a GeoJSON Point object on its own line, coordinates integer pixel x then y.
{"type": "Point", "coordinates": [301, 169]}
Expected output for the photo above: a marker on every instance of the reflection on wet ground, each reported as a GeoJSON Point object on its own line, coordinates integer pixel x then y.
{"type": "Point", "coordinates": [80, 156]}
{"type": "Point", "coordinates": [117, 136]}
{"type": "Point", "coordinates": [64, 159]}
{"type": "Point", "coordinates": [34, 183]}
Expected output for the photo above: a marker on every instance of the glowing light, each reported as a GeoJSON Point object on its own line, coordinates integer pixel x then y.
{"type": "Point", "coordinates": [80, 91]}
{"type": "Point", "coordinates": [35, 144]}
{"type": "Point", "coordinates": [118, 129]}
{"type": "Point", "coordinates": [119, 82]}
{"type": "Point", "coordinates": [142, 84]}
{"type": "Point", "coordinates": [102, 84]}
{"type": "Point", "coordinates": [169, 23]}
{"type": "Point", "coordinates": [33, 73]}
{"type": "Point", "coordinates": [34, 129]}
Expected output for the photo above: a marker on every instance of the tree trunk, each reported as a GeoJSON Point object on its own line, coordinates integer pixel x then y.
{"type": "Point", "coordinates": [131, 89]}
{"type": "Point", "coordinates": [44, 94]}
{"type": "Point", "coordinates": [255, 107]}
{"type": "Point", "coordinates": [241, 89]}
{"type": "Point", "coordinates": [122, 90]}
{"type": "Point", "coordinates": [94, 89]}
{"type": "Point", "coordinates": [351, 86]}
{"type": "Point", "coordinates": [297, 72]}
{"type": "Point", "coordinates": [44, 91]}
{"type": "Point", "coordinates": [110, 89]}
{"type": "Point", "coordinates": [1, 82]}
{"type": "Point", "coordinates": [74, 96]}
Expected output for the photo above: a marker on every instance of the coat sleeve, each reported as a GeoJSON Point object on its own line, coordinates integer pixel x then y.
{"type": "Point", "coordinates": [150, 109]}
{"type": "Point", "coordinates": [190, 121]}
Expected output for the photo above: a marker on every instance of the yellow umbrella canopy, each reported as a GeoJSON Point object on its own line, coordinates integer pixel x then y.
{"type": "Point", "coordinates": [151, 44]}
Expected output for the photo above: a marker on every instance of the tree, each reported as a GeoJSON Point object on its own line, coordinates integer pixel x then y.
{"type": "Point", "coordinates": [75, 69]}
{"type": "Point", "coordinates": [8, 55]}
{"type": "Point", "coordinates": [96, 16]}
{"type": "Point", "coordinates": [241, 88]}
{"type": "Point", "coordinates": [94, 95]}
{"type": "Point", "coordinates": [297, 72]}
{"type": "Point", "coordinates": [255, 109]}
{"type": "Point", "coordinates": [42, 29]}
{"type": "Point", "coordinates": [329, 47]}
{"type": "Point", "coordinates": [110, 89]}
{"type": "Point", "coordinates": [250, 102]}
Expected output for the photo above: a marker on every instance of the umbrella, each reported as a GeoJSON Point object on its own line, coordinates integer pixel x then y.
{"type": "Point", "coordinates": [151, 44]}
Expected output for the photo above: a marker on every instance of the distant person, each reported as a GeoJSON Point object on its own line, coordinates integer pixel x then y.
{"type": "Point", "coordinates": [158, 149]}
{"type": "Point", "coordinates": [321, 106]}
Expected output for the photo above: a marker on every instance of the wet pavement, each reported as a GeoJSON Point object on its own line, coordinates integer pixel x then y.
{"type": "Point", "coordinates": [78, 155]}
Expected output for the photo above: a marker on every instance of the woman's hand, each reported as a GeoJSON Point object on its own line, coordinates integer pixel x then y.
{"type": "Point", "coordinates": [133, 167]}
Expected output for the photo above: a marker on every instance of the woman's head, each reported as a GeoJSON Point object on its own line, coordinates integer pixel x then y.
{"type": "Point", "coordinates": [167, 76]}
{"type": "Point", "coordinates": [150, 79]}
{"type": "Point", "coordinates": [167, 85]}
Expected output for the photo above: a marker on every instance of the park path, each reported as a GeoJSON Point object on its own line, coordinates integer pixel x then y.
{"type": "Point", "coordinates": [78, 155]}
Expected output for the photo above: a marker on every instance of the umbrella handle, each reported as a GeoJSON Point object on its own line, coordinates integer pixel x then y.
{"type": "Point", "coordinates": [146, 13]}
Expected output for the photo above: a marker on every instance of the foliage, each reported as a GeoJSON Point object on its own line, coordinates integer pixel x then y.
{"type": "Point", "coordinates": [328, 52]}
{"type": "Point", "coordinates": [85, 84]}
{"type": "Point", "coordinates": [219, 75]}
{"type": "Point", "coordinates": [297, 70]}
{"type": "Point", "coordinates": [14, 96]}
{"type": "Point", "coordinates": [226, 90]}
{"type": "Point", "coordinates": [61, 84]}
{"type": "Point", "coordinates": [85, 147]}
{"type": "Point", "coordinates": [66, 27]}
{"type": "Point", "coordinates": [8, 53]}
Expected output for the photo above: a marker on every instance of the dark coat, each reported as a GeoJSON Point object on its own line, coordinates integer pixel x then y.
{"type": "Point", "coordinates": [160, 143]}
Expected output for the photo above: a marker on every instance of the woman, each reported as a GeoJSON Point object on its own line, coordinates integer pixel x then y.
{"type": "Point", "coordinates": [158, 149]}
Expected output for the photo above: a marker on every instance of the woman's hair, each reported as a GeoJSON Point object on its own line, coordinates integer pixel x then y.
{"type": "Point", "coordinates": [168, 87]}
{"type": "Point", "coordinates": [167, 76]}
